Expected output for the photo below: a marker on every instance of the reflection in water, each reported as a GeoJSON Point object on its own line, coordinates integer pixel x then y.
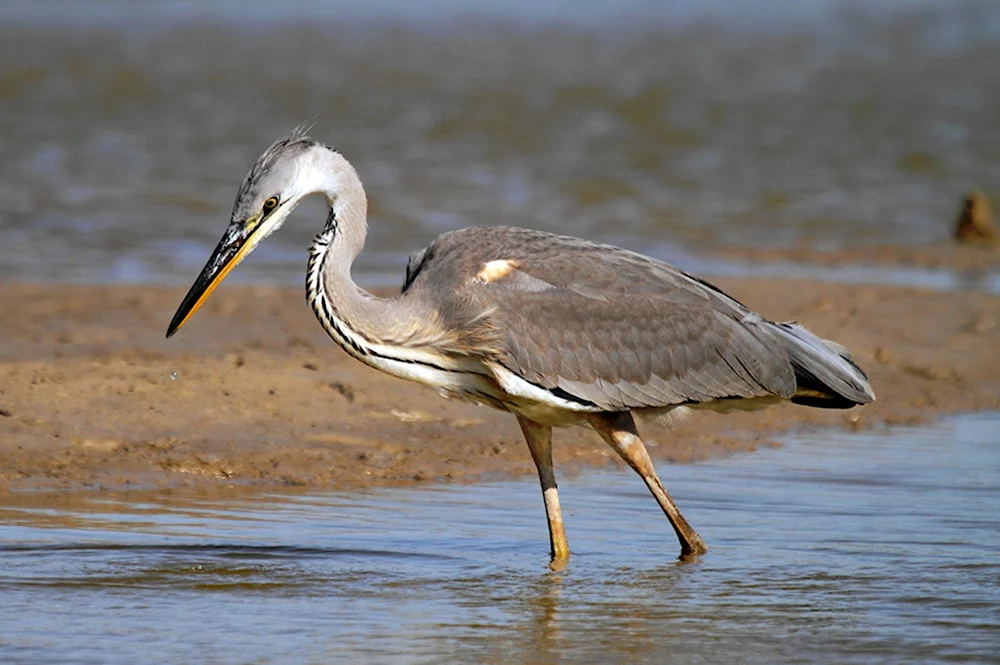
{"type": "Point", "coordinates": [837, 548]}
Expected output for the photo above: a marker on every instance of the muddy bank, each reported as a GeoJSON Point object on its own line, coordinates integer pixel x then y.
{"type": "Point", "coordinates": [252, 392]}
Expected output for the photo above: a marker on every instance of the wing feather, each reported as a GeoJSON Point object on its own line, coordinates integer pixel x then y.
{"type": "Point", "coordinates": [604, 325]}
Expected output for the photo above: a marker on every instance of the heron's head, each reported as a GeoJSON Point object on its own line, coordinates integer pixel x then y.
{"type": "Point", "coordinates": [278, 181]}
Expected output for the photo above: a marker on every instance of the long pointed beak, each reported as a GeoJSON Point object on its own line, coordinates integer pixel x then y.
{"type": "Point", "coordinates": [234, 246]}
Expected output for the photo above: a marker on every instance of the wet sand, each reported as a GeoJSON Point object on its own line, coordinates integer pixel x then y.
{"type": "Point", "coordinates": [253, 393]}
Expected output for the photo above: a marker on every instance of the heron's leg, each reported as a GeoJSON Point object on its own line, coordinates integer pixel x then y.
{"type": "Point", "coordinates": [539, 438]}
{"type": "Point", "coordinates": [618, 429]}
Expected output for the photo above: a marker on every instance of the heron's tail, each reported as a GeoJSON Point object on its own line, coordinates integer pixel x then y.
{"type": "Point", "coordinates": [825, 374]}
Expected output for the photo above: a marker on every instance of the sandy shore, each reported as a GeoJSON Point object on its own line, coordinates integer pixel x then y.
{"type": "Point", "coordinates": [252, 392]}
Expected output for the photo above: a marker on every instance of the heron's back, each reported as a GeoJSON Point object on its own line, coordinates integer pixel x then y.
{"type": "Point", "coordinates": [597, 328]}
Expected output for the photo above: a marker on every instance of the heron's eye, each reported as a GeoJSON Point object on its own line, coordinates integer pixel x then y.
{"type": "Point", "coordinates": [270, 204]}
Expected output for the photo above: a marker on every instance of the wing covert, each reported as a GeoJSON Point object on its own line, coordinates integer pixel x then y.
{"type": "Point", "coordinates": [637, 352]}
{"type": "Point", "coordinates": [600, 324]}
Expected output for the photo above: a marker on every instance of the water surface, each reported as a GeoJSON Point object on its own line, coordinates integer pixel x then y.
{"type": "Point", "coordinates": [664, 127]}
{"type": "Point", "coordinates": [836, 548]}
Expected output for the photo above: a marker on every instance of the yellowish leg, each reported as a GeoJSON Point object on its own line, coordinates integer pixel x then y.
{"type": "Point", "coordinates": [539, 438]}
{"type": "Point", "coordinates": [618, 430]}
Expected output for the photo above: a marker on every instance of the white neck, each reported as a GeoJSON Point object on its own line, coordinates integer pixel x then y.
{"type": "Point", "coordinates": [402, 335]}
{"type": "Point", "coordinates": [324, 171]}
{"type": "Point", "coordinates": [363, 324]}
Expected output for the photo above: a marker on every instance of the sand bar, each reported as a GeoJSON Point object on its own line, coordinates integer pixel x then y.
{"type": "Point", "coordinates": [253, 393]}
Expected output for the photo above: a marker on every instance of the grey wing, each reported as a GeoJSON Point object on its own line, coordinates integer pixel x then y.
{"type": "Point", "coordinates": [638, 351]}
{"type": "Point", "coordinates": [608, 329]}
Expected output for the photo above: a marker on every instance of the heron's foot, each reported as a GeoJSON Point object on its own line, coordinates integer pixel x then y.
{"type": "Point", "coordinates": [558, 563]}
{"type": "Point", "coordinates": [692, 551]}
{"type": "Point", "coordinates": [559, 546]}
{"type": "Point", "coordinates": [692, 546]}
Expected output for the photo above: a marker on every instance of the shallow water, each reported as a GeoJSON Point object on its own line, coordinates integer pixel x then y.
{"type": "Point", "coordinates": [836, 548]}
{"type": "Point", "coordinates": [664, 127]}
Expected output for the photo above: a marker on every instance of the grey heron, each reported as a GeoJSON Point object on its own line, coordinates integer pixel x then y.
{"type": "Point", "coordinates": [556, 330]}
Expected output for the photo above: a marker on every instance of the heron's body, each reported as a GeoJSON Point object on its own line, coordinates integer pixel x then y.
{"type": "Point", "coordinates": [557, 330]}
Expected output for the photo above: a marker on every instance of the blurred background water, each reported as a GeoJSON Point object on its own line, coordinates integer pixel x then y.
{"type": "Point", "coordinates": [664, 127]}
